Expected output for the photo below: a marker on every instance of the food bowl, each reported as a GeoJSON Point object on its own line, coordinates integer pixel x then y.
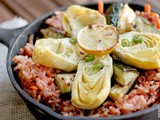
{"type": "Point", "coordinates": [42, 112]}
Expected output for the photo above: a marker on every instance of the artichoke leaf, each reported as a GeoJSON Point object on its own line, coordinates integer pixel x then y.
{"type": "Point", "coordinates": [94, 80]}
{"type": "Point", "coordinates": [97, 84]}
{"type": "Point", "coordinates": [141, 24]}
{"type": "Point", "coordinates": [56, 53]}
{"type": "Point", "coordinates": [66, 24]}
{"type": "Point", "coordinates": [89, 97]}
{"type": "Point", "coordinates": [76, 17]}
{"type": "Point", "coordinates": [144, 55]}
{"type": "Point", "coordinates": [90, 89]}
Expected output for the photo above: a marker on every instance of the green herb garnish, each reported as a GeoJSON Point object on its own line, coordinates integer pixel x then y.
{"type": "Point", "coordinates": [98, 66]}
{"type": "Point", "coordinates": [73, 40]}
{"type": "Point", "coordinates": [137, 39]}
{"type": "Point", "coordinates": [89, 58]}
{"type": "Point", "coordinates": [125, 42]}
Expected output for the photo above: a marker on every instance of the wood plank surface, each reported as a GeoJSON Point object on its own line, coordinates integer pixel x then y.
{"type": "Point", "coordinates": [5, 13]}
{"type": "Point", "coordinates": [37, 7]}
{"type": "Point", "coordinates": [31, 9]}
{"type": "Point", "coordinates": [64, 2]}
{"type": "Point", "coordinates": [17, 9]}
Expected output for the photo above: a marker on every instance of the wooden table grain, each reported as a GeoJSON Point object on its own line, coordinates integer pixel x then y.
{"type": "Point", "coordinates": [31, 9]}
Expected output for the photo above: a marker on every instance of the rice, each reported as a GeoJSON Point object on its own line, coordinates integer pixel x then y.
{"type": "Point", "coordinates": [55, 20]}
{"type": "Point", "coordinates": [38, 81]}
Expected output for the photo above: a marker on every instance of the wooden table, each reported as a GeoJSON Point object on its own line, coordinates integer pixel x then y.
{"type": "Point", "coordinates": [31, 9]}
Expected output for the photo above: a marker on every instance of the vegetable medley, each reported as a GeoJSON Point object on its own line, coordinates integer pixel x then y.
{"type": "Point", "coordinates": [100, 53]}
{"type": "Point", "coordinates": [132, 39]}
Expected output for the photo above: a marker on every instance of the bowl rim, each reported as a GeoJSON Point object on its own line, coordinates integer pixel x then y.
{"type": "Point", "coordinates": [45, 109]}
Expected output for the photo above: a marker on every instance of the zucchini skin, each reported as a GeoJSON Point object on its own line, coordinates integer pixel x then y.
{"type": "Point", "coordinates": [112, 13]}
{"type": "Point", "coordinates": [51, 33]}
{"type": "Point", "coordinates": [125, 77]}
{"type": "Point", "coordinates": [124, 74]}
{"type": "Point", "coordinates": [118, 90]}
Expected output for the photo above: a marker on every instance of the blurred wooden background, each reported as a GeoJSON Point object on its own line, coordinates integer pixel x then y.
{"type": "Point", "coordinates": [31, 9]}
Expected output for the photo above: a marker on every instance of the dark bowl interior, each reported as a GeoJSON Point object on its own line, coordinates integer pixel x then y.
{"type": "Point", "coordinates": [41, 111]}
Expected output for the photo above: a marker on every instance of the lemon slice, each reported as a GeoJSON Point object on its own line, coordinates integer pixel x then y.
{"type": "Point", "coordinates": [56, 53]}
{"type": "Point", "coordinates": [142, 50]}
{"type": "Point", "coordinates": [92, 83]}
{"type": "Point", "coordinates": [76, 17]}
{"type": "Point", "coordinates": [98, 39]}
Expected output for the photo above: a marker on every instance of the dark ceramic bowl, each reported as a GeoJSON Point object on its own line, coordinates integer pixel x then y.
{"type": "Point", "coordinates": [40, 111]}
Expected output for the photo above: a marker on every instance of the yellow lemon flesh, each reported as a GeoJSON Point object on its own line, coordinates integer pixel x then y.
{"type": "Point", "coordinates": [56, 53]}
{"type": "Point", "coordinates": [76, 17]}
{"type": "Point", "coordinates": [98, 39]}
{"type": "Point", "coordinates": [91, 86]}
{"type": "Point", "coordinates": [144, 55]}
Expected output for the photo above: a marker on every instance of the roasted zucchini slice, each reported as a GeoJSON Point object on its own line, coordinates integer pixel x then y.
{"type": "Point", "coordinates": [52, 33]}
{"type": "Point", "coordinates": [124, 74]}
{"type": "Point", "coordinates": [112, 13]}
{"type": "Point", "coordinates": [119, 91]}
{"type": "Point", "coordinates": [64, 82]}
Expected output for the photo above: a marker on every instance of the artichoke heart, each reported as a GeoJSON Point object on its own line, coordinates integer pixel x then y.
{"type": "Point", "coordinates": [126, 17]}
{"type": "Point", "coordinates": [143, 50]}
{"type": "Point", "coordinates": [56, 53]}
{"type": "Point", "coordinates": [76, 17]}
{"type": "Point", "coordinates": [91, 86]}
{"type": "Point", "coordinates": [141, 24]}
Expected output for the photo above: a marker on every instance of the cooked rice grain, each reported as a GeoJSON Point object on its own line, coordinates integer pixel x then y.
{"type": "Point", "coordinates": [38, 82]}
